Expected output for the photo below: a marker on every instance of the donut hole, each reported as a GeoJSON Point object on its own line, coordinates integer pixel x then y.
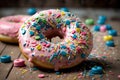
{"type": "Point", "coordinates": [55, 35]}
{"type": "Point", "coordinates": [56, 39]}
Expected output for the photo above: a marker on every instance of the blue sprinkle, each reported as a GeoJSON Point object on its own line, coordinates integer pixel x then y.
{"type": "Point", "coordinates": [34, 24]}
{"type": "Point", "coordinates": [38, 28]}
{"type": "Point", "coordinates": [77, 25]}
{"type": "Point", "coordinates": [63, 47]}
{"type": "Point", "coordinates": [72, 20]}
{"type": "Point", "coordinates": [55, 54]}
{"type": "Point", "coordinates": [101, 22]}
{"type": "Point", "coordinates": [63, 53]}
{"type": "Point", "coordinates": [32, 49]}
{"type": "Point", "coordinates": [108, 27]}
{"type": "Point", "coordinates": [112, 32]}
{"type": "Point", "coordinates": [31, 11]}
{"type": "Point", "coordinates": [23, 31]}
{"type": "Point", "coordinates": [33, 55]}
{"type": "Point", "coordinates": [34, 68]}
{"type": "Point", "coordinates": [96, 70]}
{"type": "Point", "coordinates": [96, 28]}
{"type": "Point", "coordinates": [41, 36]}
{"type": "Point", "coordinates": [5, 58]}
{"type": "Point", "coordinates": [42, 25]}
{"type": "Point", "coordinates": [72, 46]}
{"type": "Point", "coordinates": [52, 57]}
{"type": "Point", "coordinates": [58, 25]}
{"type": "Point", "coordinates": [102, 17]}
{"type": "Point", "coordinates": [24, 44]}
{"type": "Point", "coordinates": [83, 55]}
{"type": "Point", "coordinates": [57, 72]}
{"type": "Point", "coordinates": [110, 43]}
{"type": "Point", "coordinates": [69, 14]}
{"type": "Point", "coordinates": [64, 9]}
{"type": "Point", "coordinates": [31, 33]}
{"type": "Point", "coordinates": [74, 36]}
{"type": "Point", "coordinates": [67, 22]}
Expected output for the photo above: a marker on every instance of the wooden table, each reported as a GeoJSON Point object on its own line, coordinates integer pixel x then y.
{"type": "Point", "coordinates": [108, 58]}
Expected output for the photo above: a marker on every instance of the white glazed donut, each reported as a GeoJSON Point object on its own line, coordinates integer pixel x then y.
{"type": "Point", "coordinates": [35, 46]}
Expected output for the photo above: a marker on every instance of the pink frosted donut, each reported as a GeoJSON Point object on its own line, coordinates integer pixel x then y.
{"type": "Point", "coordinates": [72, 50]}
{"type": "Point", "coordinates": [9, 27]}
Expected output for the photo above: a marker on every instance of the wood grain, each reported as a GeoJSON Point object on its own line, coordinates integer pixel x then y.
{"type": "Point", "coordinates": [5, 68]}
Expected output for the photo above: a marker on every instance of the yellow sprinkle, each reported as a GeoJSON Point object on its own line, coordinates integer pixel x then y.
{"type": "Point", "coordinates": [107, 38]}
{"type": "Point", "coordinates": [68, 41]}
{"type": "Point", "coordinates": [57, 9]}
{"type": "Point", "coordinates": [62, 13]}
{"type": "Point", "coordinates": [74, 78]}
{"type": "Point", "coordinates": [24, 71]}
{"type": "Point", "coordinates": [78, 30]}
{"type": "Point", "coordinates": [11, 52]}
{"type": "Point", "coordinates": [23, 26]}
{"type": "Point", "coordinates": [41, 55]}
{"type": "Point", "coordinates": [58, 76]}
{"type": "Point", "coordinates": [39, 47]}
{"type": "Point", "coordinates": [74, 54]}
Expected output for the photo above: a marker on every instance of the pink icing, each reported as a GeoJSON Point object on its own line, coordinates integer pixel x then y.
{"type": "Point", "coordinates": [74, 42]}
{"type": "Point", "coordinates": [10, 25]}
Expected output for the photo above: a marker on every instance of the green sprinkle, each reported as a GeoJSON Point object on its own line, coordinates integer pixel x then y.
{"type": "Point", "coordinates": [42, 14]}
{"type": "Point", "coordinates": [39, 20]}
{"type": "Point", "coordinates": [37, 37]}
{"type": "Point", "coordinates": [44, 21]}
{"type": "Point", "coordinates": [58, 20]}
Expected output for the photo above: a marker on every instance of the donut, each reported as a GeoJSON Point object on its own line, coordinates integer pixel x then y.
{"type": "Point", "coordinates": [36, 32]}
{"type": "Point", "coordinates": [9, 27]}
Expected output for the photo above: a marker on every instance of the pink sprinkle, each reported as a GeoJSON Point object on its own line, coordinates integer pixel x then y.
{"type": "Point", "coordinates": [64, 29]}
{"type": "Point", "coordinates": [34, 45]}
{"type": "Point", "coordinates": [50, 12]}
{"type": "Point", "coordinates": [73, 31]}
{"type": "Point", "coordinates": [19, 62]}
{"type": "Point", "coordinates": [110, 72]}
{"type": "Point", "coordinates": [48, 45]}
{"type": "Point", "coordinates": [58, 15]}
{"type": "Point", "coordinates": [44, 44]}
{"type": "Point", "coordinates": [83, 26]}
{"type": "Point", "coordinates": [34, 42]}
{"type": "Point", "coordinates": [83, 33]}
{"type": "Point", "coordinates": [103, 28]}
{"type": "Point", "coordinates": [78, 49]}
{"type": "Point", "coordinates": [80, 77]}
{"type": "Point", "coordinates": [118, 76]}
{"type": "Point", "coordinates": [28, 41]}
{"type": "Point", "coordinates": [41, 75]}
{"type": "Point", "coordinates": [82, 42]}
{"type": "Point", "coordinates": [80, 74]}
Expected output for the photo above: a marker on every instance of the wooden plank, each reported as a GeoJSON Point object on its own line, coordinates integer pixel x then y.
{"type": "Point", "coordinates": [2, 46]}
{"type": "Point", "coordinates": [24, 73]}
{"type": "Point", "coordinates": [5, 68]}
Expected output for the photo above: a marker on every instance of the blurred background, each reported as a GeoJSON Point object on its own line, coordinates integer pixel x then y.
{"type": "Point", "coordinates": [110, 8]}
{"type": "Point", "coordinates": [61, 3]}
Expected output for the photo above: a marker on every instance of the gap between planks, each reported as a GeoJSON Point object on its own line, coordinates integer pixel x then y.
{"type": "Point", "coordinates": [5, 68]}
